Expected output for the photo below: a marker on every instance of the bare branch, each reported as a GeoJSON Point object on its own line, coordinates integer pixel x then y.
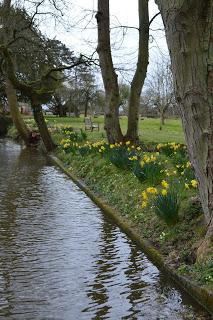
{"type": "Point", "coordinates": [153, 18]}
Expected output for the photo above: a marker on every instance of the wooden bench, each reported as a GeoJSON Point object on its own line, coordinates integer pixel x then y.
{"type": "Point", "coordinates": [89, 125]}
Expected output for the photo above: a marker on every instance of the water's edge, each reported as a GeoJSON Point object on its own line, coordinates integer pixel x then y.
{"type": "Point", "coordinates": [202, 296]}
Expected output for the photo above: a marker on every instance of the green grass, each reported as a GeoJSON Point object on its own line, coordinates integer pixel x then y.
{"type": "Point", "coordinates": [148, 128]}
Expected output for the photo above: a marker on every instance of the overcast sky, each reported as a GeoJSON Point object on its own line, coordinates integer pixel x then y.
{"type": "Point", "coordinates": [80, 32]}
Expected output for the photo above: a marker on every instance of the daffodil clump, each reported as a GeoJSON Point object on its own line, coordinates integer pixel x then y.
{"type": "Point", "coordinates": [121, 155]}
{"type": "Point", "coordinates": [170, 148]}
{"type": "Point", "coordinates": [148, 168]}
{"type": "Point", "coordinates": [74, 135]}
{"type": "Point", "coordinates": [149, 194]}
{"type": "Point", "coordinates": [68, 146]}
{"type": "Point", "coordinates": [167, 177]}
{"type": "Point", "coordinates": [163, 200]}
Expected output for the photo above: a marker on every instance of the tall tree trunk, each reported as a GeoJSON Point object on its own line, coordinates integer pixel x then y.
{"type": "Point", "coordinates": [60, 108]}
{"type": "Point", "coordinates": [15, 114]}
{"type": "Point", "coordinates": [140, 73]}
{"type": "Point", "coordinates": [86, 108]}
{"type": "Point", "coordinates": [162, 119]}
{"type": "Point", "coordinates": [189, 27]}
{"type": "Point", "coordinates": [42, 126]}
{"type": "Point", "coordinates": [112, 98]}
{"type": "Point", "coordinates": [76, 111]}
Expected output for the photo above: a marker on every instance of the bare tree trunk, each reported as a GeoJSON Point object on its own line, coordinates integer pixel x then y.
{"type": "Point", "coordinates": [86, 108]}
{"type": "Point", "coordinates": [162, 119]}
{"type": "Point", "coordinates": [140, 73]}
{"type": "Point", "coordinates": [61, 111]}
{"type": "Point", "coordinates": [189, 26]}
{"type": "Point", "coordinates": [112, 125]}
{"type": "Point", "coordinates": [15, 114]}
{"type": "Point", "coordinates": [42, 126]}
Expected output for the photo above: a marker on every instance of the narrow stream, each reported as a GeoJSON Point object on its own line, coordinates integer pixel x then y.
{"type": "Point", "coordinates": [61, 258]}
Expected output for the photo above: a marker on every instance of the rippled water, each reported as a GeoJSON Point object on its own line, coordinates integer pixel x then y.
{"type": "Point", "coordinates": [61, 258]}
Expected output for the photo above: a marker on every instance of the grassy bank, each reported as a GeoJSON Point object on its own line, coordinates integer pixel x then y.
{"type": "Point", "coordinates": [152, 185]}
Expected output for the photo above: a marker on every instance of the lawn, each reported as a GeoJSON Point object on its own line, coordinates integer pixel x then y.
{"type": "Point", "coordinates": [148, 128]}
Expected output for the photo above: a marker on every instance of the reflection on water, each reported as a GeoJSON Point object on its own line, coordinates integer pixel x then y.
{"type": "Point", "coordinates": [61, 258]}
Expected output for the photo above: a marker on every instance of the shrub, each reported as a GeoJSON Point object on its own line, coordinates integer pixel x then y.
{"type": "Point", "coordinates": [85, 150]}
{"type": "Point", "coordinates": [180, 158]}
{"type": "Point", "coordinates": [119, 156]}
{"type": "Point", "coordinates": [150, 171]}
{"type": "Point", "coordinates": [167, 207]}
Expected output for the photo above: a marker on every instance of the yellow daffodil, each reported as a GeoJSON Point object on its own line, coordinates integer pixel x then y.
{"type": "Point", "coordinates": [144, 204]}
{"type": "Point", "coordinates": [152, 190]}
{"type": "Point", "coordinates": [159, 146]}
{"type": "Point", "coordinates": [142, 163]}
{"type": "Point", "coordinates": [127, 143]}
{"type": "Point", "coordinates": [186, 185]}
{"type": "Point", "coordinates": [144, 196]}
{"type": "Point", "coordinates": [139, 148]}
{"type": "Point", "coordinates": [188, 164]}
{"type": "Point", "coordinates": [194, 183]}
{"type": "Point", "coordinates": [134, 158]}
{"type": "Point", "coordinates": [164, 192]}
{"type": "Point", "coordinates": [165, 184]}
{"type": "Point", "coordinates": [66, 145]}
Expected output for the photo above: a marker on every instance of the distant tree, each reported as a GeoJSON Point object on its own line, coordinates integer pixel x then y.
{"type": "Point", "coordinates": [124, 95]}
{"type": "Point", "coordinates": [57, 104]}
{"type": "Point", "coordinates": [87, 88]}
{"type": "Point", "coordinates": [160, 88]}
{"type": "Point", "coordinates": [81, 90]}
{"type": "Point", "coordinates": [98, 102]}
